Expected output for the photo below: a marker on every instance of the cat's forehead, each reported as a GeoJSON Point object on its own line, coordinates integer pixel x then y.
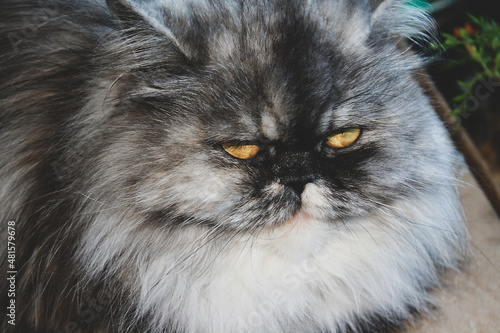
{"type": "Point", "coordinates": [266, 117]}
{"type": "Point", "coordinates": [275, 116]}
{"type": "Point", "coordinates": [279, 67]}
{"type": "Point", "coordinates": [223, 25]}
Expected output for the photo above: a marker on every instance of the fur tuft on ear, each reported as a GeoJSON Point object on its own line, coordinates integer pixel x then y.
{"type": "Point", "coordinates": [132, 16]}
{"type": "Point", "coordinates": [123, 12]}
{"type": "Point", "coordinates": [396, 19]}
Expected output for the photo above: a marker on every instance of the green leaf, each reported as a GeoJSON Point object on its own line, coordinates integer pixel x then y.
{"type": "Point", "coordinates": [464, 34]}
{"type": "Point", "coordinates": [450, 41]}
{"type": "Point", "coordinates": [496, 69]}
{"type": "Point", "coordinates": [476, 20]}
{"type": "Point", "coordinates": [459, 98]}
{"type": "Point", "coordinates": [464, 84]}
{"type": "Point", "coordinates": [479, 48]}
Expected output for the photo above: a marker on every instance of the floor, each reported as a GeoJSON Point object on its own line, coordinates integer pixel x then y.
{"type": "Point", "coordinates": [471, 304]}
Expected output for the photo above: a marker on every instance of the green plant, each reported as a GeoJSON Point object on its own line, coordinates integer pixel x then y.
{"type": "Point", "coordinates": [477, 43]}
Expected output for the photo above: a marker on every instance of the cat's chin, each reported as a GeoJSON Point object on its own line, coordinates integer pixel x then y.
{"type": "Point", "coordinates": [299, 236]}
{"type": "Point", "coordinates": [374, 265]}
{"type": "Point", "coordinates": [297, 220]}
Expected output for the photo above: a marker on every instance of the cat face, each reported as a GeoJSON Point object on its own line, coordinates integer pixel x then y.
{"type": "Point", "coordinates": [208, 163]}
{"type": "Point", "coordinates": [281, 86]}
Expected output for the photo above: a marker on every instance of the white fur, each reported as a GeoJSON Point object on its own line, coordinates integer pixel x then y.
{"type": "Point", "coordinates": [312, 272]}
{"type": "Point", "coordinates": [270, 126]}
{"type": "Point", "coordinates": [308, 273]}
{"type": "Point", "coordinates": [405, 19]}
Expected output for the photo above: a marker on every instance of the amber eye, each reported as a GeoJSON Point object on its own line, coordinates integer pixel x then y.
{"type": "Point", "coordinates": [343, 138]}
{"type": "Point", "coordinates": [243, 152]}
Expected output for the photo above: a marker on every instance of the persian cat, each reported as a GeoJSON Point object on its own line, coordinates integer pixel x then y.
{"type": "Point", "coordinates": [220, 166]}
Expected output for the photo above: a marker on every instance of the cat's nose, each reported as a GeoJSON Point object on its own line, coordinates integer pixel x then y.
{"type": "Point", "coordinates": [299, 184]}
{"type": "Point", "coordinates": [295, 170]}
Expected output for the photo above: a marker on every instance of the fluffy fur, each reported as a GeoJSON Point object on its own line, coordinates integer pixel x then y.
{"type": "Point", "coordinates": [130, 217]}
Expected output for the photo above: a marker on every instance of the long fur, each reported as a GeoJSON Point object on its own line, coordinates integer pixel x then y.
{"type": "Point", "coordinates": [130, 217]}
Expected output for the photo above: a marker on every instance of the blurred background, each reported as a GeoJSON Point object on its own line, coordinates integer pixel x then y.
{"type": "Point", "coordinates": [471, 91]}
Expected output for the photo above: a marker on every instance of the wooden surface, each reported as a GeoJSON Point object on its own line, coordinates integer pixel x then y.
{"type": "Point", "coordinates": [471, 303]}
{"type": "Point", "coordinates": [478, 166]}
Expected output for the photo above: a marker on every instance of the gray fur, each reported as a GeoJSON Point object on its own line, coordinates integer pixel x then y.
{"type": "Point", "coordinates": [131, 217]}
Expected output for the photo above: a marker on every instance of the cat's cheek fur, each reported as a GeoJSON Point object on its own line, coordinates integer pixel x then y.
{"type": "Point", "coordinates": [190, 196]}
{"type": "Point", "coordinates": [377, 265]}
{"type": "Point", "coordinates": [112, 122]}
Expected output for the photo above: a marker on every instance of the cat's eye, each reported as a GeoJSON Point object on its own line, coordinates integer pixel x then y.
{"type": "Point", "coordinates": [241, 151]}
{"type": "Point", "coordinates": [343, 138]}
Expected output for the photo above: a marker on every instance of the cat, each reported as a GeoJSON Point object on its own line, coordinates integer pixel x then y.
{"type": "Point", "coordinates": [221, 166]}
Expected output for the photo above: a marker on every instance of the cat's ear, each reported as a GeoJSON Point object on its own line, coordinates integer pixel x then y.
{"type": "Point", "coordinates": [133, 17]}
{"type": "Point", "coordinates": [374, 4]}
{"type": "Point", "coordinates": [398, 19]}
{"type": "Point", "coordinates": [124, 13]}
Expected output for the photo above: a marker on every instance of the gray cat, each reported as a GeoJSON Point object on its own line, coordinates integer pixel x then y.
{"type": "Point", "coordinates": [220, 166]}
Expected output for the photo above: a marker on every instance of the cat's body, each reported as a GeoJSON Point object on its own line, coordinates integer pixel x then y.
{"type": "Point", "coordinates": [131, 217]}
